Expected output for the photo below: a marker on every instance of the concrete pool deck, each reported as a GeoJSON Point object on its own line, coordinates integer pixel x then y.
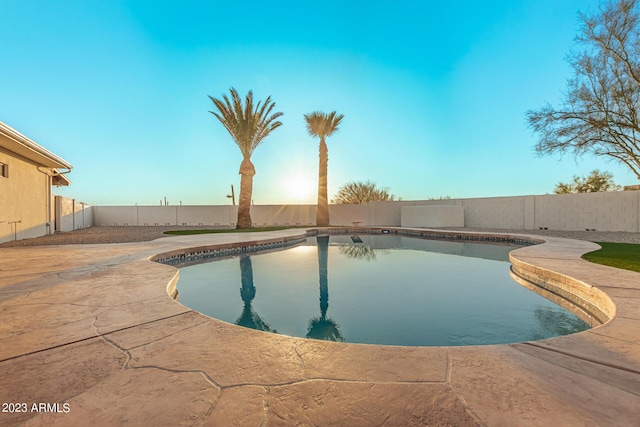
{"type": "Point", "coordinates": [90, 336]}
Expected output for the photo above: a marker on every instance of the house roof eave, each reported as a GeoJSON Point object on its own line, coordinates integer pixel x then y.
{"type": "Point", "coordinates": [16, 142]}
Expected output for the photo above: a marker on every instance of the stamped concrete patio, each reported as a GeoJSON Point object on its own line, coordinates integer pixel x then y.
{"type": "Point", "coordinates": [93, 327]}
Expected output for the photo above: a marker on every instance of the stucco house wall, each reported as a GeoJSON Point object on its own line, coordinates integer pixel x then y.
{"type": "Point", "coordinates": [27, 173]}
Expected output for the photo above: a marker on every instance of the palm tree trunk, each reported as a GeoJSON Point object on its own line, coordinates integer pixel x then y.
{"type": "Point", "coordinates": [322, 210]}
{"type": "Point", "coordinates": [247, 171]}
{"type": "Point", "coordinates": [323, 270]}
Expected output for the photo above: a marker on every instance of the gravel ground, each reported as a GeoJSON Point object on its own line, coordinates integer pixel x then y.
{"type": "Point", "coordinates": [112, 234]}
{"type": "Point", "coordinates": [107, 234]}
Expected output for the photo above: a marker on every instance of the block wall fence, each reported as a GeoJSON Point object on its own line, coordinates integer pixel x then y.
{"type": "Point", "coordinates": [610, 211]}
{"type": "Point", "coordinates": [71, 215]}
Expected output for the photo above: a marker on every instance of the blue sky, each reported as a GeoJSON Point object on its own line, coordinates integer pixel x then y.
{"type": "Point", "coordinates": [434, 94]}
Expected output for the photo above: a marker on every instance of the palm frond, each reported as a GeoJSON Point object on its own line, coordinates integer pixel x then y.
{"type": "Point", "coordinates": [323, 125]}
{"type": "Point", "coordinates": [247, 125]}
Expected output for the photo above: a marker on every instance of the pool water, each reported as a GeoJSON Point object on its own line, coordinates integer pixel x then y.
{"type": "Point", "coordinates": [377, 289]}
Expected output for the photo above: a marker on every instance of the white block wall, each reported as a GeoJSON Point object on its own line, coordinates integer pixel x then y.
{"type": "Point", "coordinates": [432, 216]}
{"type": "Point", "coordinates": [390, 213]}
{"type": "Point", "coordinates": [348, 214]}
{"type": "Point", "coordinates": [610, 211]}
{"type": "Point", "coordinates": [613, 211]}
{"type": "Point", "coordinates": [71, 215]}
{"type": "Point", "coordinates": [115, 215]}
{"type": "Point", "coordinates": [509, 212]}
{"type": "Point", "coordinates": [278, 215]}
{"type": "Point", "coordinates": [205, 215]}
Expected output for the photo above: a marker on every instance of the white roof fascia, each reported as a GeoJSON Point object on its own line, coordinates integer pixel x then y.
{"type": "Point", "coordinates": [32, 151]}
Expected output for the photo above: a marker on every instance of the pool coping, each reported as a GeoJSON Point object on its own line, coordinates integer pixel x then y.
{"type": "Point", "coordinates": [94, 325]}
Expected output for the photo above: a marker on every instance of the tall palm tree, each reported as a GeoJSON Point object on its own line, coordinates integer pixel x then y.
{"type": "Point", "coordinates": [323, 125]}
{"type": "Point", "coordinates": [248, 126]}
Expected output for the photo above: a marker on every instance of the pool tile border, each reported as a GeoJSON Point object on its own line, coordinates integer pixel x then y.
{"type": "Point", "coordinates": [197, 254]}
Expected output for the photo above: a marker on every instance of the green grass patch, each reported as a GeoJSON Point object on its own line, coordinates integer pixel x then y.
{"type": "Point", "coordinates": [233, 230]}
{"type": "Point", "coordinates": [620, 255]}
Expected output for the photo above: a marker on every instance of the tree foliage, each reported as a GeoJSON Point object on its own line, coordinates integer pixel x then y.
{"type": "Point", "coordinates": [596, 181]}
{"type": "Point", "coordinates": [599, 111]}
{"type": "Point", "coordinates": [361, 193]}
{"type": "Point", "coordinates": [323, 125]}
{"type": "Point", "coordinates": [248, 126]}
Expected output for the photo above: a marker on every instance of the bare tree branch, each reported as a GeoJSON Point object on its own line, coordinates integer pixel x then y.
{"type": "Point", "coordinates": [599, 111]}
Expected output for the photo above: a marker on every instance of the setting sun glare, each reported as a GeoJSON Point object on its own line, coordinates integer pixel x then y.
{"type": "Point", "coordinates": [301, 188]}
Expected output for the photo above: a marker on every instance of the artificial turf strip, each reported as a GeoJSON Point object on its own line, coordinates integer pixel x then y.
{"type": "Point", "coordinates": [620, 255]}
{"type": "Point", "coordinates": [232, 230]}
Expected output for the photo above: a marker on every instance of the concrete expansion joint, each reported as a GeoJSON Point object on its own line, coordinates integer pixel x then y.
{"type": "Point", "coordinates": [127, 352]}
{"type": "Point", "coordinates": [167, 335]}
{"type": "Point", "coordinates": [53, 304]}
{"type": "Point", "coordinates": [450, 387]}
{"type": "Point", "coordinates": [212, 408]}
{"type": "Point", "coordinates": [203, 373]}
{"type": "Point", "coordinates": [304, 371]}
{"type": "Point", "coordinates": [18, 295]}
{"type": "Point", "coordinates": [125, 328]}
{"type": "Point", "coordinates": [335, 380]}
{"type": "Point", "coordinates": [623, 288]}
{"type": "Point", "coordinates": [42, 350]}
{"type": "Point", "coordinates": [608, 337]}
{"type": "Point", "coordinates": [109, 341]}
{"type": "Point", "coordinates": [586, 359]}
{"type": "Point", "coordinates": [53, 347]}
{"type": "Point", "coordinates": [265, 407]}
{"type": "Point", "coordinates": [627, 318]}
{"type": "Point", "coordinates": [466, 407]}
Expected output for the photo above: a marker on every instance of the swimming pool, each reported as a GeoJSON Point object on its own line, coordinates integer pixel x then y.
{"type": "Point", "coordinates": [377, 289]}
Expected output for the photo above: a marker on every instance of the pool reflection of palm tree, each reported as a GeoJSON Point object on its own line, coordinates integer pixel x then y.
{"type": "Point", "coordinates": [323, 327]}
{"type": "Point", "coordinates": [249, 318]}
{"type": "Point", "coordinates": [363, 252]}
